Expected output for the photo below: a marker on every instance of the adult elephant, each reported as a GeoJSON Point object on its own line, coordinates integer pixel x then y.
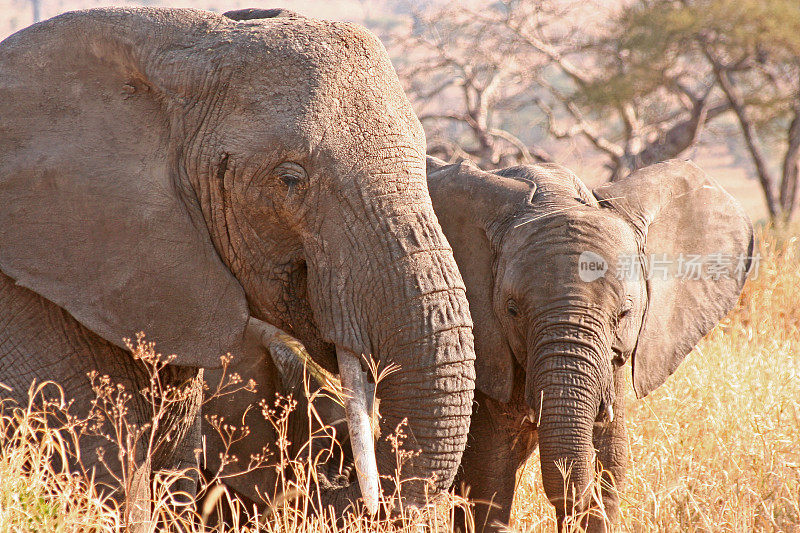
{"type": "Point", "coordinates": [566, 284]}
{"type": "Point", "coordinates": [206, 181]}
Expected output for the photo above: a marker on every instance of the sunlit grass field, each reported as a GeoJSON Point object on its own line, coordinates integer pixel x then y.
{"type": "Point", "coordinates": [717, 448]}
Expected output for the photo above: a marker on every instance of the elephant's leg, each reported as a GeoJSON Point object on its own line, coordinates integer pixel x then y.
{"type": "Point", "coordinates": [179, 431]}
{"type": "Point", "coordinates": [499, 443]}
{"type": "Point", "coordinates": [186, 460]}
{"type": "Point", "coordinates": [42, 342]}
{"type": "Point", "coordinates": [177, 437]}
{"type": "Point", "coordinates": [611, 443]}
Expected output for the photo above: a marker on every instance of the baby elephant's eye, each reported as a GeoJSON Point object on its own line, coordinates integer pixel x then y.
{"type": "Point", "coordinates": [511, 307]}
{"type": "Point", "coordinates": [290, 173]}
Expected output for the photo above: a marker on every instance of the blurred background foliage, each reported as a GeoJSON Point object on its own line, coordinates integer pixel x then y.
{"type": "Point", "coordinates": [623, 84]}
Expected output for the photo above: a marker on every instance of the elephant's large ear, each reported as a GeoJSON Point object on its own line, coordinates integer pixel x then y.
{"type": "Point", "coordinates": [96, 213]}
{"type": "Point", "coordinates": [680, 213]}
{"type": "Point", "coordinates": [461, 194]}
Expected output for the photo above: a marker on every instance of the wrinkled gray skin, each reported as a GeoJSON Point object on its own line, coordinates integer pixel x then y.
{"type": "Point", "coordinates": [550, 345]}
{"type": "Point", "coordinates": [179, 172]}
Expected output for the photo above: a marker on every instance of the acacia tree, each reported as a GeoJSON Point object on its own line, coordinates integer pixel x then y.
{"type": "Point", "coordinates": [632, 116]}
{"type": "Point", "coordinates": [497, 83]}
{"type": "Point", "coordinates": [638, 85]}
{"type": "Point", "coordinates": [748, 52]}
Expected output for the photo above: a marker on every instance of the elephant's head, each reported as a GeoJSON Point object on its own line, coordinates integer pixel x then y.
{"type": "Point", "coordinates": [566, 284]}
{"type": "Point", "coordinates": [182, 173]}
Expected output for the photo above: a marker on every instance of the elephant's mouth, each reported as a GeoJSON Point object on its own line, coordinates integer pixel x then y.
{"type": "Point", "coordinates": [619, 358]}
{"type": "Point", "coordinates": [293, 361]}
{"type": "Point", "coordinates": [526, 431]}
{"type": "Point", "coordinates": [304, 325]}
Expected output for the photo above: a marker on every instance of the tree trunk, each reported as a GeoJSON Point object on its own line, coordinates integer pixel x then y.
{"type": "Point", "coordinates": [751, 140]}
{"type": "Point", "coordinates": [788, 193]}
{"type": "Point", "coordinates": [37, 10]}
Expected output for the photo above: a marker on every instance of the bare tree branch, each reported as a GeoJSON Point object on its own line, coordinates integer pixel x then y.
{"type": "Point", "coordinates": [526, 155]}
{"type": "Point", "coordinates": [581, 127]}
{"type": "Point", "coordinates": [748, 132]}
{"type": "Point", "coordinates": [682, 135]}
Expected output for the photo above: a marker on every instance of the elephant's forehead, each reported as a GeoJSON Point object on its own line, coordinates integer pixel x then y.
{"type": "Point", "coordinates": [324, 76]}
{"type": "Point", "coordinates": [555, 184]}
{"type": "Point", "coordinates": [559, 243]}
{"type": "Point", "coordinates": [316, 85]}
{"type": "Point", "coordinates": [571, 224]}
{"type": "Point", "coordinates": [323, 51]}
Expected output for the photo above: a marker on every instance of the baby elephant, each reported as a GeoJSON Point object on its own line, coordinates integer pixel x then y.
{"type": "Point", "coordinates": [565, 284]}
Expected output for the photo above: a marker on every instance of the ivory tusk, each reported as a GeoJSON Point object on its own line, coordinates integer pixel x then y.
{"type": "Point", "coordinates": [287, 352]}
{"type": "Point", "coordinates": [609, 413]}
{"type": "Point", "coordinates": [291, 357]}
{"type": "Point", "coordinates": [357, 408]}
{"type": "Point", "coordinates": [262, 331]}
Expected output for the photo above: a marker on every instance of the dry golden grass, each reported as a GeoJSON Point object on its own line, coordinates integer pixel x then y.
{"type": "Point", "coordinates": [717, 448]}
{"type": "Point", "coordinates": [36, 494]}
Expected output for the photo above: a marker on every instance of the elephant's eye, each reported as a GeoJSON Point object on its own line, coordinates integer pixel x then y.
{"type": "Point", "coordinates": [511, 307]}
{"type": "Point", "coordinates": [290, 173]}
{"type": "Point", "coordinates": [627, 306]}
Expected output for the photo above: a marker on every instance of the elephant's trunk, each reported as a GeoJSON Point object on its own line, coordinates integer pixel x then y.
{"type": "Point", "coordinates": [400, 299]}
{"type": "Point", "coordinates": [428, 399]}
{"type": "Point", "coordinates": [567, 389]}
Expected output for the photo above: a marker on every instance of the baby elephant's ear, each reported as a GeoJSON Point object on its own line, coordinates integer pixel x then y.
{"type": "Point", "coordinates": [697, 246]}
{"type": "Point", "coordinates": [461, 195]}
